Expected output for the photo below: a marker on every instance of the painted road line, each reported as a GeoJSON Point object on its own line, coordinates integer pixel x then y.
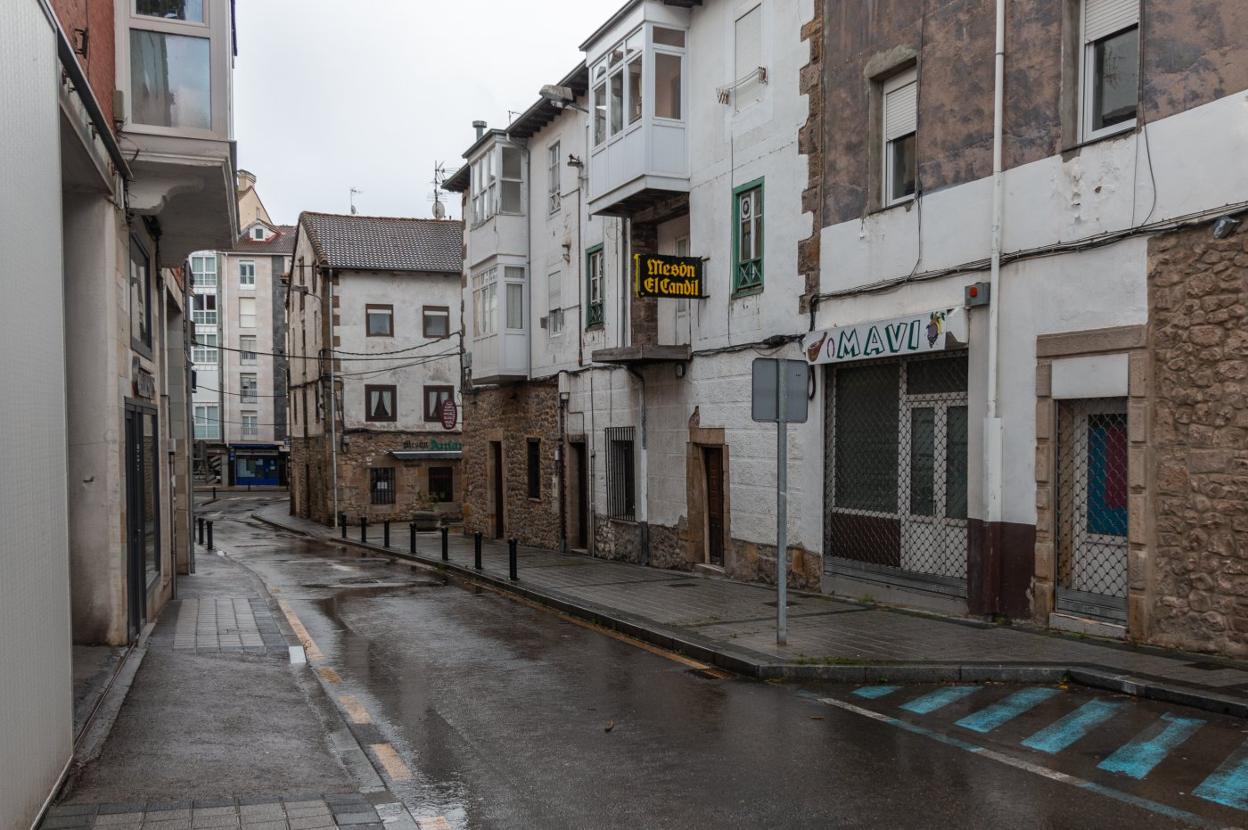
{"type": "Point", "coordinates": [1027, 766]}
{"type": "Point", "coordinates": [314, 653]}
{"type": "Point", "coordinates": [875, 692]}
{"type": "Point", "coordinates": [328, 674]}
{"type": "Point", "coordinates": [938, 699]}
{"type": "Point", "coordinates": [1228, 785]}
{"type": "Point", "coordinates": [355, 709]}
{"type": "Point", "coordinates": [395, 768]}
{"type": "Point", "coordinates": [1061, 734]}
{"type": "Point", "coordinates": [1004, 711]}
{"type": "Point", "coordinates": [435, 823]}
{"type": "Point", "coordinates": [1137, 758]}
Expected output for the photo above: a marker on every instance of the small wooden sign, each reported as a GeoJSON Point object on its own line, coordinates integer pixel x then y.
{"type": "Point", "coordinates": [673, 277]}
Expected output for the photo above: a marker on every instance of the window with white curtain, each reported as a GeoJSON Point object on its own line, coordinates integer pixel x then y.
{"type": "Point", "coordinates": [554, 305]}
{"type": "Point", "coordinates": [748, 43]}
{"type": "Point", "coordinates": [485, 302]}
{"type": "Point", "coordinates": [207, 421]}
{"type": "Point", "coordinates": [514, 277]}
{"type": "Point", "coordinates": [247, 312]}
{"type": "Point", "coordinates": [511, 187]}
{"type": "Point", "coordinates": [553, 185]}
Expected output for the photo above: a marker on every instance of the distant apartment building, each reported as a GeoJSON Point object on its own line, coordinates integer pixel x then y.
{"type": "Point", "coordinates": [374, 347]}
{"type": "Point", "coordinates": [115, 165]}
{"type": "Point", "coordinates": [239, 313]}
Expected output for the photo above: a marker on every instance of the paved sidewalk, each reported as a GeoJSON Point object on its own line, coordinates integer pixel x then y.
{"type": "Point", "coordinates": [218, 729]}
{"type": "Point", "coordinates": [732, 624]}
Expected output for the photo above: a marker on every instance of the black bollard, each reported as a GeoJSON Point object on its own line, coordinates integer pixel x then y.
{"type": "Point", "coordinates": [476, 550]}
{"type": "Point", "coordinates": [412, 539]}
{"type": "Point", "coordinates": [446, 553]}
{"type": "Point", "coordinates": [200, 525]}
{"type": "Point", "coordinates": [511, 558]}
{"type": "Point", "coordinates": [342, 523]}
{"type": "Point", "coordinates": [214, 493]}
{"type": "Point", "coordinates": [210, 535]}
{"type": "Point", "coordinates": [385, 534]}
{"type": "Point", "coordinates": [363, 528]}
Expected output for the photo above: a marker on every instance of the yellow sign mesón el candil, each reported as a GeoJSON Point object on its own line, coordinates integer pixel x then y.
{"type": "Point", "coordinates": [659, 275]}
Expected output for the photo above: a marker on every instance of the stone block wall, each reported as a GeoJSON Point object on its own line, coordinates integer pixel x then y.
{"type": "Point", "coordinates": [512, 415]}
{"type": "Point", "coordinates": [366, 449]}
{"type": "Point", "coordinates": [1198, 338]}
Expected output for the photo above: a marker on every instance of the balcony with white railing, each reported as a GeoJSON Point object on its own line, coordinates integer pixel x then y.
{"type": "Point", "coordinates": [174, 66]}
{"type": "Point", "coordinates": [638, 100]}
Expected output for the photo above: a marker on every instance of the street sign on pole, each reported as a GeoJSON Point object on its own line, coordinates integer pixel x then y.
{"type": "Point", "coordinates": [779, 395]}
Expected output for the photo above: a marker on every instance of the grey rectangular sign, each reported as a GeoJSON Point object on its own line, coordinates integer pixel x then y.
{"type": "Point", "coordinates": [773, 377]}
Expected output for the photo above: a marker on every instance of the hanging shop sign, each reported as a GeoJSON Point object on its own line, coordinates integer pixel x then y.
{"type": "Point", "coordinates": [450, 414]}
{"type": "Point", "coordinates": [930, 331]}
{"type": "Point", "coordinates": [661, 275]}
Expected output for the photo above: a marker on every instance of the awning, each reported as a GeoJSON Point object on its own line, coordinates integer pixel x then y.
{"type": "Point", "coordinates": [928, 331]}
{"type": "Point", "coordinates": [427, 455]}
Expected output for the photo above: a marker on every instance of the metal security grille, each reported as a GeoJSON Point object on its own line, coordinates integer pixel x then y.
{"type": "Point", "coordinates": [621, 475]}
{"type": "Point", "coordinates": [896, 470]}
{"type": "Point", "coordinates": [381, 485]}
{"type": "Point", "coordinates": [1091, 532]}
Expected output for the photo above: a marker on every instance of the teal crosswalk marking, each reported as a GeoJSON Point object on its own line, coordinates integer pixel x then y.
{"type": "Point", "coordinates": [1148, 749]}
{"type": "Point", "coordinates": [938, 699]}
{"type": "Point", "coordinates": [1061, 734]}
{"type": "Point", "coordinates": [990, 717]}
{"type": "Point", "coordinates": [1228, 785]}
{"type": "Point", "coordinates": [875, 692]}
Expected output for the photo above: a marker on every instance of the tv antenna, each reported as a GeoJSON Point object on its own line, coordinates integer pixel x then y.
{"type": "Point", "coordinates": [354, 192]}
{"type": "Point", "coordinates": [439, 176]}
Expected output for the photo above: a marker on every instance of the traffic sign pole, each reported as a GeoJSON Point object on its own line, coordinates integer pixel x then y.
{"type": "Point", "coordinates": [782, 517]}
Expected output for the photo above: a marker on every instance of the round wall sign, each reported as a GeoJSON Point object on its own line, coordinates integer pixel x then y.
{"type": "Point", "coordinates": [450, 414]}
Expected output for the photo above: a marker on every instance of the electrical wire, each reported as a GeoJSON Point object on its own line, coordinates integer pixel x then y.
{"type": "Point", "coordinates": [334, 353]}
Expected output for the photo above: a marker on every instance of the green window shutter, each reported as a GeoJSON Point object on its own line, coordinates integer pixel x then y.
{"type": "Point", "coordinates": [747, 238]}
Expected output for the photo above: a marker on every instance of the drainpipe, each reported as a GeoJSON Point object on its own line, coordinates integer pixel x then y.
{"type": "Point", "coordinates": [992, 421]}
{"type": "Point", "coordinates": [333, 398]}
{"type": "Point", "coordinates": [642, 477]}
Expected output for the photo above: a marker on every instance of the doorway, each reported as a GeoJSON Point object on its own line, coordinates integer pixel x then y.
{"type": "Point", "coordinates": [579, 475]}
{"type": "Point", "coordinates": [496, 476]}
{"type": "Point", "coordinates": [713, 463]}
{"type": "Point", "coordinates": [142, 512]}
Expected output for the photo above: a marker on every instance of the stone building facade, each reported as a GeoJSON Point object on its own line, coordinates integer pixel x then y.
{"type": "Point", "coordinates": [1198, 470]}
{"type": "Point", "coordinates": [373, 348]}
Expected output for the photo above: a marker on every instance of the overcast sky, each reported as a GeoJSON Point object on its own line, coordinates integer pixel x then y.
{"type": "Point", "coordinates": [330, 95]}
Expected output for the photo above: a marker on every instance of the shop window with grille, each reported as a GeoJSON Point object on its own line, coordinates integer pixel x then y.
{"type": "Point", "coordinates": [442, 484]}
{"type": "Point", "coordinates": [621, 473]}
{"type": "Point", "coordinates": [381, 485]}
{"type": "Point", "coordinates": [1091, 530]}
{"type": "Point", "coordinates": [896, 467]}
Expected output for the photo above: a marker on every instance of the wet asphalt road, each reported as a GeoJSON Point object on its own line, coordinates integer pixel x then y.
{"type": "Point", "coordinates": [508, 715]}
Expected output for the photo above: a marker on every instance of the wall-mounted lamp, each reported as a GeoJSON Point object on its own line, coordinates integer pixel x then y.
{"type": "Point", "coordinates": [1225, 226]}
{"type": "Point", "coordinates": [680, 370]}
{"type": "Point", "coordinates": [562, 97]}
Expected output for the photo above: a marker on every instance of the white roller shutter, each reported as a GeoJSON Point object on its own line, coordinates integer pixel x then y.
{"type": "Point", "coordinates": [901, 111]}
{"type": "Point", "coordinates": [1104, 17]}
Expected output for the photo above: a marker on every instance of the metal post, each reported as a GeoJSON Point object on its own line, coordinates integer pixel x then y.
{"type": "Point", "coordinates": [782, 515]}
{"type": "Point", "coordinates": [199, 522]}
{"type": "Point", "coordinates": [446, 553]}
{"type": "Point", "coordinates": [214, 493]}
{"type": "Point", "coordinates": [476, 550]}
{"type": "Point", "coordinates": [363, 528]}
{"type": "Point", "coordinates": [385, 533]}
{"type": "Point", "coordinates": [511, 559]}
{"type": "Point", "coordinates": [411, 540]}
{"type": "Point", "coordinates": [210, 534]}
{"type": "Point", "coordinates": [342, 523]}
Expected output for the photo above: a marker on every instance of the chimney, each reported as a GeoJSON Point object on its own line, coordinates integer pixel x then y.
{"type": "Point", "coordinates": [246, 179]}
{"type": "Point", "coordinates": [480, 128]}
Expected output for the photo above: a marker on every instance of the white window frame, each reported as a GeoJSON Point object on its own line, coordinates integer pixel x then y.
{"type": "Point", "coordinates": [502, 179]}
{"type": "Point", "coordinates": [553, 177]}
{"type": "Point", "coordinates": [207, 421]}
{"type": "Point", "coordinates": [203, 353]}
{"type": "Point", "coordinates": [554, 304]}
{"type": "Point", "coordinates": [257, 233]}
{"type": "Point", "coordinates": [247, 356]}
{"type": "Point", "coordinates": [1118, 17]}
{"type": "Point", "coordinates": [243, 316]}
{"type": "Point", "coordinates": [205, 276]}
{"type": "Point", "coordinates": [896, 85]}
{"type": "Point", "coordinates": [514, 280]}
{"type": "Point", "coordinates": [250, 423]}
{"type": "Point", "coordinates": [485, 302]}
{"type": "Point", "coordinates": [247, 269]}
{"type": "Point", "coordinates": [254, 395]}
{"type": "Point", "coordinates": [682, 249]}
{"type": "Point", "coordinates": [205, 316]}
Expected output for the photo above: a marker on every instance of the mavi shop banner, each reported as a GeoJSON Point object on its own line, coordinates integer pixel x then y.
{"type": "Point", "coordinates": [929, 331]}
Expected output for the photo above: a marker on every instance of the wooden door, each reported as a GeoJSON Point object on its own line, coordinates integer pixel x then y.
{"type": "Point", "coordinates": [713, 462]}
